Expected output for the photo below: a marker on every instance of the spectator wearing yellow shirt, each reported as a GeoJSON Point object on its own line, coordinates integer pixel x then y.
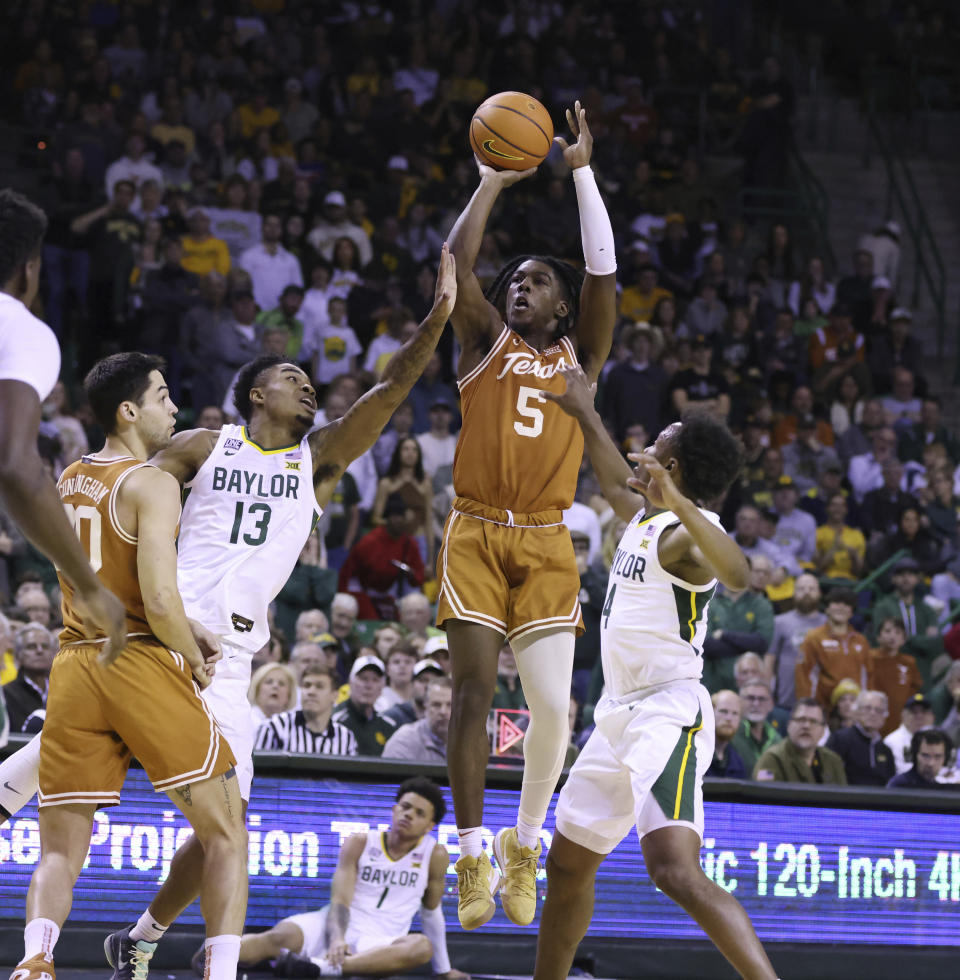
{"type": "Point", "coordinates": [840, 548]}
{"type": "Point", "coordinates": [202, 252]}
{"type": "Point", "coordinates": [172, 127]}
{"type": "Point", "coordinates": [256, 115]}
{"type": "Point", "coordinates": [637, 302]}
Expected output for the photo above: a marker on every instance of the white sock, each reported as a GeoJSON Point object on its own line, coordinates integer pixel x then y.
{"type": "Point", "coordinates": [471, 841]}
{"type": "Point", "coordinates": [148, 929]}
{"type": "Point", "coordinates": [39, 938]}
{"type": "Point", "coordinates": [20, 777]}
{"type": "Point", "coordinates": [223, 955]}
{"type": "Point", "coordinates": [528, 832]}
{"type": "Point", "coordinates": [545, 665]}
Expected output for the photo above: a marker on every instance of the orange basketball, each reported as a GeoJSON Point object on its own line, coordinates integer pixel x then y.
{"type": "Point", "coordinates": [511, 131]}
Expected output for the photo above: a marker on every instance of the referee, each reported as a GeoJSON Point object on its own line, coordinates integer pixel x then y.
{"type": "Point", "coordinates": [309, 730]}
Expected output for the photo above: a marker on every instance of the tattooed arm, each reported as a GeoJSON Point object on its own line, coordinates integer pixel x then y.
{"type": "Point", "coordinates": [336, 445]}
{"type": "Point", "coordinates": [341, 895]}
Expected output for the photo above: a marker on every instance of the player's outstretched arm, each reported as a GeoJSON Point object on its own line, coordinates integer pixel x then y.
{"type": "Point", "coordinates": [598, 295]}
{"type": "Point", "coordinates": [611, 468]}
{"type": "Point", "coordinates": [155, 499]}
{"type": "Point", "coordinates": [336, 445]}
{"type": "Point", "coordinates": [476, 322]}
{"type": "Point", "coordinates": [431, 916]}
{"type": "Point", "coordinates": [341, 895]}
{"type": "Point", "coordinates": [186, 453]}
{"type": "Point", "coordinates": [699, 541]}
{"type": "Point", "coordinates": [29, 496]}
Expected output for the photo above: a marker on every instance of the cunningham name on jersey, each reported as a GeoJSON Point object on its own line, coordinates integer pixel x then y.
{"type": "Point", "coordinates": [246, 519]}
{"type": "Point", "coordinates": [653, 624]}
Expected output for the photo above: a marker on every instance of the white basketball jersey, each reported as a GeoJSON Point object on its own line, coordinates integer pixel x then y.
{"type": "Point", "coordinates": [653, 624]}
{"type": "Point", "coordinates": [389, 893]}
{"type": "Point", "coordinates": [245, 522]}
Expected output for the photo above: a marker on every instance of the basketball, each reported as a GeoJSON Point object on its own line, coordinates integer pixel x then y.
{"type": "Point", "coordinates": [511, 131]}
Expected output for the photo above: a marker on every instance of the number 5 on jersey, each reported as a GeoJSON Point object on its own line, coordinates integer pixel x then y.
{"type": "Point", "coordinates": [525, 396]}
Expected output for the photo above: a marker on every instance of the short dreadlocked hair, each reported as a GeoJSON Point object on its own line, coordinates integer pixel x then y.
{"type": "Point", "coordinates": [22, 227]}
{"type": "Point", "coordinates": [709, 454]}
{"type": "Point", "coordinates": [251, 374]}
{"type": "Point", "coordinates": [571, 280]}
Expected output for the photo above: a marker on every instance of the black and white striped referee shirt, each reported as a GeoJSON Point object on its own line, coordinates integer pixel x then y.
{"type": "Point", "coordinates": [288, 732]}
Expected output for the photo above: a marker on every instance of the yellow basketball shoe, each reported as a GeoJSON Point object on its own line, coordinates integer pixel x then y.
{"type": "Point", "coordinates": [477, 883]}
{"type": "Point", "coordinates": [518, 865]}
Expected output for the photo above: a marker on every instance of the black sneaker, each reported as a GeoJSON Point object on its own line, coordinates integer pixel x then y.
{"type": "Point", "coordinates": [296, 966]}
{"type": "Point", "coordinates": [130, 958]}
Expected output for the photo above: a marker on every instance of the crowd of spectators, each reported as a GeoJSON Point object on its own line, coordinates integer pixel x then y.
{"type": "Point", "coordinates": [279, 178]}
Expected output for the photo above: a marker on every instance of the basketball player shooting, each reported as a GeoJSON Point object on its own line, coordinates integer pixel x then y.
{"type": "Point", "coordinates": [644, 763]}
{"type": "Point", "coordinates": [506, 566]}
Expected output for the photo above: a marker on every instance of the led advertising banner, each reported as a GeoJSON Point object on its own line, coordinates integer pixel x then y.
{"type": "Point", "coordinates": [804, 874]}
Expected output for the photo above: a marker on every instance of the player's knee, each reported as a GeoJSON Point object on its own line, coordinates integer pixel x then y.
{"type": "Point", "coordinates": [420, 950]}
{"type": "Point", "coordinates": [562, 868]}
{"type": "Point", "coordinates": [222, 834]}
{"type": "Point", "coordinates": [471, 701]}
{"type": "Point", "coordinates": [677, 881]}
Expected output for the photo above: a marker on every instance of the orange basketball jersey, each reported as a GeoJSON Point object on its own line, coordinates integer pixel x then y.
{"type": "Point", "coordinates": [516, 450]}
{"type": "Point", "coordinates": [88, 489]}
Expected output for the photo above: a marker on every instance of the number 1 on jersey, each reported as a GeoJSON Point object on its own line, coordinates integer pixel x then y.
{"type": "Point", "coordinates": [608, 605]}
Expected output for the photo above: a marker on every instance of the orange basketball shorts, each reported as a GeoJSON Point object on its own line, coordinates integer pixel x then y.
{"type": "Point", "coordinates": [146, 705]}
{"type": "Point", "coordinates": [515, 573]}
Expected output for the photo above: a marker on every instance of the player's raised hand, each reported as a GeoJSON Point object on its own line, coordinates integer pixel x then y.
{"type": "Point", "coordinates": [579, 154]}
{"type": "Point", "coordinates": [654, 482]}
{"type": "Point", "coordinates": [579, 396]}
{"type": "Point", "coordinates": [502, 177]}
{"type": "Point", "coordinates": [445, 295]}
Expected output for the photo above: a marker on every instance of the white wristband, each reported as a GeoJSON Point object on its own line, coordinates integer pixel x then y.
{"type": "Point", "coordinates": [435, 929]}
{"type": "Point", "coordinates": [599, 253]}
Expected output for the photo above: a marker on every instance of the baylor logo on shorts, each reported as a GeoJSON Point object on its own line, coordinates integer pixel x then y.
{"type": "Point", "coordinates": [241, 624]}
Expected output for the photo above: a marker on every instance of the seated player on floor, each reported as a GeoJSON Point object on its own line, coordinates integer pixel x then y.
{"type": "Point", "coordinates": [382, 879]}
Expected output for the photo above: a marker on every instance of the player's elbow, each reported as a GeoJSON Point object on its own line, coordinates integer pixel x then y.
{"type": "Point", "coordinates": [159, 604]}
{"type": "Point", "coordinates": [736, 576]}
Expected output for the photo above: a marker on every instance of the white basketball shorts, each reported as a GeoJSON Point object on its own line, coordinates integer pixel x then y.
{"type": "Point", "coordinates": [643, 765]}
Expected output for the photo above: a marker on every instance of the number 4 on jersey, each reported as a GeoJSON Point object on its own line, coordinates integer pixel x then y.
{"type": "Point", "coordinates": [608, 605]}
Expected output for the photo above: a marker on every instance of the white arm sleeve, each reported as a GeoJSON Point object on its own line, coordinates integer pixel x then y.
{"type": "Point", "coordinates": [435, 929]}
{"type": "Point", "coordinates": [595, 228]}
